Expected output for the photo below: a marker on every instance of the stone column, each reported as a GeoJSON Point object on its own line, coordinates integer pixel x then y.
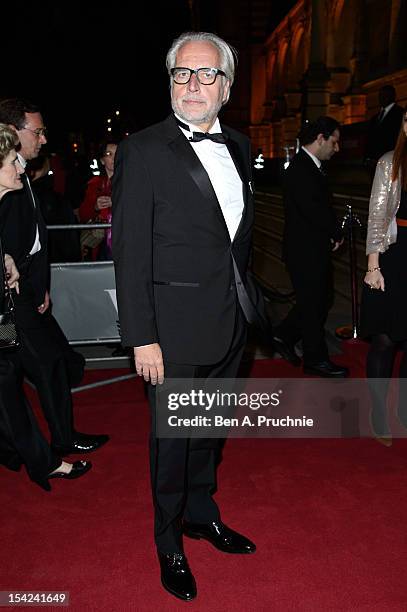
{"type": "Point", "coordinates": [317, 77]}
{"type": "Point", "coordinates": [360, 56]}
{"type": "Point", "coordinates": [259, 84]}
{"type": "Point", "coordinates": [271, 68]}
{"type": "Point", "coordinates": [318, 32]}
{"type": "Point", "coordinates": [355, 100]}
{"type": "Point", "coordinates": [398, 34]}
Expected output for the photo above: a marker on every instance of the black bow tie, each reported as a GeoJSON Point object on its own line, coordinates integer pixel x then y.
{"type": "Point", "coordinates": [199, 136]}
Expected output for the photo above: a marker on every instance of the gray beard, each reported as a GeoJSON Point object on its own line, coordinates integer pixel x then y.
{"type": "Point", "coordinates": [208, 118]}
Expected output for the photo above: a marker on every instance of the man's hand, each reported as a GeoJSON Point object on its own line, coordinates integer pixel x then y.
{"type": "Point", "coordinates": [11, 272]}
{"type": "Point", "coordinates": [336, 244]}
{"type": "Point", "coordinates": [149, 363]}
{"type": "Point", "coordinates": [44, 306]}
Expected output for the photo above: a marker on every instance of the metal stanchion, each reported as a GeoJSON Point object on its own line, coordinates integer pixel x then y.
{"type": "Point", "coordinates": [349, 222]}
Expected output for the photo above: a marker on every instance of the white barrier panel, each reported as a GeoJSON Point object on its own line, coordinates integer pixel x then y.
{"type": "Point", "coordinates": [84, 301]}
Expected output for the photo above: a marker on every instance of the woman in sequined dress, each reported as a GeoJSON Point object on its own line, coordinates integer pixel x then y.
{"type": "Point", "coordinates": [384, 297]}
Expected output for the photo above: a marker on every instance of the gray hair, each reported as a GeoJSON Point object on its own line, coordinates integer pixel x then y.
{"type": "Point", "coordinates": [227, 54]}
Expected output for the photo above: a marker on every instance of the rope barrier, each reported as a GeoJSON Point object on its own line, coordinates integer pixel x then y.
{"type": "Point", "coordinates": [80, 226]}
{"type": "Point", "coordinates": [351, 221]}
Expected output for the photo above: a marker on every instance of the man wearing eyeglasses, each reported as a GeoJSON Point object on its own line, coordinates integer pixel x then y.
{"type": "Point", "coordinates": [182, 220]}
{"type": "Point", "coordinates": [45, 354]}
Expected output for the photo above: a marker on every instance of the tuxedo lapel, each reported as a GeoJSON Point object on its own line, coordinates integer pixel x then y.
{"type": "Point", "coordinates": [185, 153]}
{"type": "Point", "coordinates": [38, 220]}
{"type": "Point", "coordinates": [238, 159]}
{"type": "Point", "coordinates": [192, 165]}
{"type": "Point", "coordinates": [27, 188]}
{"type": "Point", "coordinates": [241, 166]}
{"type": "Point", "coordinates": [311, 166]}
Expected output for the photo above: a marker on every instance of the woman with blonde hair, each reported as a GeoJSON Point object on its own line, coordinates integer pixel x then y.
{"type": "Point", "coordinates": [384, 297]}
{"type": "Point", "coordinates": [20, 438]}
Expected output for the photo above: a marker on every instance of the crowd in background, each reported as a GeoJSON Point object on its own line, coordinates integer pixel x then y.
{"type": "Point", "coordinates": [74, 196]}
{"type": "Point", "coordinates": [71, 194]}
{"type": "Point", "coordinates": [72, 190]}
{"type": "Point", "coordinates": [40, 351]}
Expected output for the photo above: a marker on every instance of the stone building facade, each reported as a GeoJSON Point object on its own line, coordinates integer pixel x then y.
{"type": "Point", "coordinates": [322, 57]}
{"type": "Point", "coordinates": [326, 57]}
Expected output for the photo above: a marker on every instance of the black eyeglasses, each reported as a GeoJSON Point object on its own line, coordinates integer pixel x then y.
{"type": "Point", "coordinates": [205, 76]}
{"type": "Point", "coordinates": [38, 132]}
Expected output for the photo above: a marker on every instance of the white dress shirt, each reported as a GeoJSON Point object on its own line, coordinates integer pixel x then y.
{"type": "Point", "coordinates": [222, 173]}
{"type": "Point", "coordinates": [385, 110]}
{"type": "Point", "coordinates": [37, 244]}
{"type": "Point", "coordinates": [314, 158]}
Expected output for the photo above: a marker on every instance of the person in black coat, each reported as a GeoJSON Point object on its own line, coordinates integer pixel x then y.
{"type": "Point", "coordinates": [182, 224]}
{"type": "Point", "coordinates": [47, 359]}
{"type": "Point", "coordinates": [384, 127]}
{"type": "Point", "coordinates": [21, 440]}
{"type": "Point", "coordinates": [311, 233]}
{"type": "Point", "coordinates": [56, 209]}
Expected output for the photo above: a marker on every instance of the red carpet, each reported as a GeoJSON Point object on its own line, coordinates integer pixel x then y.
{"type": "Point", "coordinates": [353, 356]}
{"type": "Point", "coordinates": [328, 517]}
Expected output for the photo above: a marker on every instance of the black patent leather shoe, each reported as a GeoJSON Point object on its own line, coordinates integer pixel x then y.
{"type": "Point", "coordinates": [326, 369]}
{"type": "Point", "coordinates": [79, 468]}
{"type": "Point", "coordinates": [176, 577]}
{"type": "Point", "coordinates": [81, 443]}
{"type": "Point", "coordinates": [220, 536]}
{"type": "Point", "coordinates": [286, 351]}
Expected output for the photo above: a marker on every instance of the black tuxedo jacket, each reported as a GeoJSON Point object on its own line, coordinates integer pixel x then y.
{"type": "Point", "coordinates": [382, 135]}
{"type": "Point", "coordinates": [18, 220]}
{"type": "Point", "coordinates": [310, 221]}
{"type": "Point", "coordinates": [171, 247]}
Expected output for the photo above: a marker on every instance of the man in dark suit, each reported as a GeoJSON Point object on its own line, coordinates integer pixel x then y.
{"type": "Point", "coordinates": [45, 354]}
{"type": "Point", "coordinates": [384, 127]}
{"type": "Point", "coordinates": [311, 233]}
{"type": "Point", "coordinates": [182, 222]}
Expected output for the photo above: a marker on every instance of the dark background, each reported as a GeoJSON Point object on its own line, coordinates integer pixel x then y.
{"type": "Point", "coordinates": [83, 60]}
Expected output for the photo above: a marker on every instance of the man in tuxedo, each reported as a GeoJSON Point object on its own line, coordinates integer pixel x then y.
{"type": "Point", "coordinates": [182, 222]}
{"type": "Point", "coordinates": [311, 233]}
{"type": "Point", "coordinates": [45, 355]}
{"type": "Point", "coordinates": [384, 127]}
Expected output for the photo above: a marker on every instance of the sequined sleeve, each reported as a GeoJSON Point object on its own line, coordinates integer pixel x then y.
{"type": "Point", "coordinates": [378, 221]}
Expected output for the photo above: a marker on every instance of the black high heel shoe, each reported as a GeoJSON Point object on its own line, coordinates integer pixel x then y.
{"type": "Point", "coordinates": [79, 468]}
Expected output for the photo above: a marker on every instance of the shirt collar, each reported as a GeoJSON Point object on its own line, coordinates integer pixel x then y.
{"type": "Point", "coordinates": [21, 160]}
{"type": "Point", "coordinates": [195, 128]}
{"type": "Point", "coordinates": [315, 159]}
{"type": "Point", "coordinates": [388, 107]}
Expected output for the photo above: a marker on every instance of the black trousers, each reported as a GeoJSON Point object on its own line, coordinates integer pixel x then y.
{"type": "Point", "coordinates": [183, 471]}
{"type": "Point", "coordinates": [21, 440]}
{"type": "Point", "coordinates": [51, 365]}
{"type": "Point", "coordinates": [313, 286]}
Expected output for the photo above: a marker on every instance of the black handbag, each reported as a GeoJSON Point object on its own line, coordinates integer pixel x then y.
{"type": "Point", "coordinates": [8, 331]}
